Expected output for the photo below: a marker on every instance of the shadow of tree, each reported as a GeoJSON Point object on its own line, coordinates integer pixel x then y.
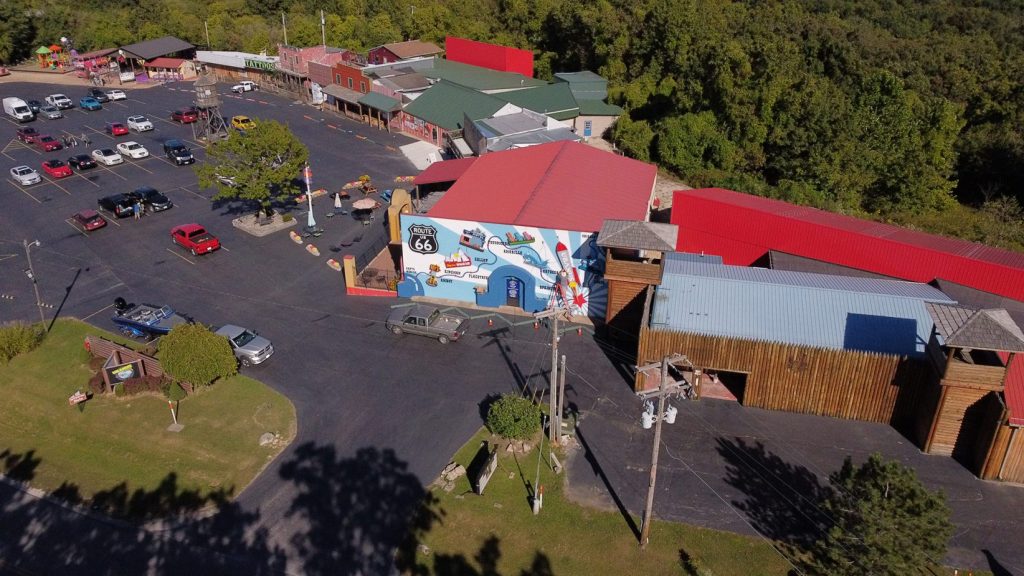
{"type": "Point", "coordinates": [44, 536]}
{"type": "Point", "coordinates": [487, 560]}
{"type": "Point", "coordinates": [780, 500]}
{"type": "Point", "coordinates": [356, 511]}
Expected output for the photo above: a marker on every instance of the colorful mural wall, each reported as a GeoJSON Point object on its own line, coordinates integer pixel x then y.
{"type": "Point", "coordinates": [498, 264]}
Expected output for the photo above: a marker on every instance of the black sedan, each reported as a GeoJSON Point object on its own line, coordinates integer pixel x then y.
{"type": "Point", "coordinates": [154, 200]}
{"type": "Point", "coordinates": [99, 95]}
{"type": "Point", "coordinates": [120, 205]}
{"type": "Point", "coordinates": [81, 162]}
{"type": "Point", "coordinates": [34, 106]}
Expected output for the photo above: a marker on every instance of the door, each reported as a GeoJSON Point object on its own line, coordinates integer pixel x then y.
{"type": "Point", "coordinates": [513, 292]}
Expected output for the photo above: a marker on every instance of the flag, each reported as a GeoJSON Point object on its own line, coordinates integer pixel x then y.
{"type": "Point", "coordinates": [307, 174]}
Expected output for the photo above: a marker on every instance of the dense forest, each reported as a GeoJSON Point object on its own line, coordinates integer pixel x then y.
{"type": "Point", "coordinates": [905, 111]}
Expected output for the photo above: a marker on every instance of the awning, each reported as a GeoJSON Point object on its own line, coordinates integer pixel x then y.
{"type": "Point", "coordinates": [446, 171]}
{"type": "Point", "coordinates": [380, 102]}
{"type": "Point", "coordinates": [290, 73]}
{"type": "Point", "coordinates": [342, 93]}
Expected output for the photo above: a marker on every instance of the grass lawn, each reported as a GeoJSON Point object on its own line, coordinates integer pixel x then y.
{"type": "Point", "coordinates": [572, 539]}
{"type": "Point", "coordinates": [497, 534]}
{"type": "Point", "coordinates": [116, 448]}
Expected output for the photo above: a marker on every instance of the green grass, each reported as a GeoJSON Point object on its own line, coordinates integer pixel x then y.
{"type": "Point", "coordinates": [115, 448]}
{"type": "Point", "coordinates": [573, 539]}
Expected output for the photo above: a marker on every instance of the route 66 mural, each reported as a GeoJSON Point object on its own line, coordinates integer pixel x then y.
{"type": "Point", "coordinates": [498, 264]}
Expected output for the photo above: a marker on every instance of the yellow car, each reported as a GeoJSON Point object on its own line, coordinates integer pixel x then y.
{"type": "Point", "coordinates": [242, 123]}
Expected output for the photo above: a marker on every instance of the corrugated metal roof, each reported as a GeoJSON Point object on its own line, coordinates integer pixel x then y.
{"type": "Point", "coordinates": [562, 186]}
{"type": "Point", "coordinates": [380, 102]}
{"type": "Point", "coordinates": [701, 303]}
{"type": "Point", "coordinates": [444, 104]}
{"type": "Point", "coordinates": [149, 49]}
{"type": "Point", "coordinates": [412, 49]}
{"type": "Point", "coordinates": [763, 276]}
{"type": "Point", "coordinates": [595, 107]}
{"type": "Point", "coordinates": [533, 138]}
{"type": "Point", "coordinates": [446, 171]}
{"type": "Point", "coordinates": [478, 78]}
{"type": "Point", "coordinates": [554, 100]}
{"type": "Point", "coordinates": [1014, 388]}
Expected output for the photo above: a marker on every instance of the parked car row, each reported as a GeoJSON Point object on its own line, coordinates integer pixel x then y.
{"type": "Point", "coordinates": [123, 205]}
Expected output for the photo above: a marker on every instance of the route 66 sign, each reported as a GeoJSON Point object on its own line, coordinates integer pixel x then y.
{"type": "Point", "coordinates": [423, 239]}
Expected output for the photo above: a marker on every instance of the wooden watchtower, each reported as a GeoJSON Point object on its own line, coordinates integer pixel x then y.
{"type": "Point", "coordinates": [971, 351]}
{"type": "Point", "coordinates": [633, 264]}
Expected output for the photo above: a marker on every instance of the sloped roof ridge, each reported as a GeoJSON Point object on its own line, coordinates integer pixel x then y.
{"type": "Point", "coordinates": [982, 330]}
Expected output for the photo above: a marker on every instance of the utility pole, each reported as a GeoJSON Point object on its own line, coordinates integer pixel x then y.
{"type": "Point", "coordinates": [664, 390]}
{"type": "Point", "coordinates": [31, 273]}
{"type": "Point", "coordinates": [206, 27]}
{"type": "Point", "coordinates": [561, 398]}
{"type": "Point", "coordinates": [323, 32]}
{"type": "Point", "coordinates": [284, 28]}
{"type": "Point", "coordinates": [553, 313]}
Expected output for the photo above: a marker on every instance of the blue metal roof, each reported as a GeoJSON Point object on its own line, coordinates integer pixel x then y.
{"type": "Point", "coordinates": [678, 263]}
{"type": "Point", "coordinates": [758, 304]}
{"type": "Point", "coordinates": [692, 257]}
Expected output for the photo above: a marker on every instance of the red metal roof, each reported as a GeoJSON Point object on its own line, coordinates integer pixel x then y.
{"type": "Point", "coordinates": [165, 63]}
{"type": "Point", "coordinates": [561, 185]}
{"type": "Point", "coordinates": [1014, 388]}
{"type": "Point", "coordinates": [741, 228]}
{"type": "Point", "coordinates": [493, 56]}
{"type": "Point", "coordinates": [447, 171]}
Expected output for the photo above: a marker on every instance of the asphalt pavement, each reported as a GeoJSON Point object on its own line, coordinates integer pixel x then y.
{"type": "Point", "coordinates": [379, 415]}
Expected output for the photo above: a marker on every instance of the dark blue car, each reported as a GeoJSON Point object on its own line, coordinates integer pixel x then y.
{"type": "Point", "coordinates": [90, 103]}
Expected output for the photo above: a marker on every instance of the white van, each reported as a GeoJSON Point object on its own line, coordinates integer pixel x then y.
{"type": "Point", "coordinates": [18, 109]}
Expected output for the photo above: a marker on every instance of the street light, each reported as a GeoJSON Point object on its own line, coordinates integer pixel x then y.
{"type": "Point", "coordinates": [31, 273]}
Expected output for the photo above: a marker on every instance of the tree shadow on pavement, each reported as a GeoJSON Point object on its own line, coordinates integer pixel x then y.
{"type": "Point", "coordinates": [44, 536]}
{"type": "Point", "coordinates": [599, 472]}
{"type": "Point", "coordinates": [780, 500]}
{"type": "Point", "coordinates": [356, 512]}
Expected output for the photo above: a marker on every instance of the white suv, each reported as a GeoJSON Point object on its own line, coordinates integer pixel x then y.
{"type": "Point", "coordinates": [60, 101]}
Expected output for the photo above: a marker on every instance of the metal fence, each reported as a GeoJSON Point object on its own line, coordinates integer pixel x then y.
{"type": "Point", "coordinates": [374, 240]}
{"type": "Point", "coordinates": [377, 278]}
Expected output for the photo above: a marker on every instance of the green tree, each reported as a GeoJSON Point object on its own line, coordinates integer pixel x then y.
{"type": "Point", "coordinates": [633, 137]}
{"type": "Point", "coordinates": [192, 353]}
{"type": "Point", "coordinates": [885, 522]}
{"type": "Point", "coordinates": [262, 164]}
{"type": "Point", "coordinates": [513, 417]}
{"type": "Point", "coordinates": [693, 143]}
{"type": "Point", "coordinates": [16, 31]}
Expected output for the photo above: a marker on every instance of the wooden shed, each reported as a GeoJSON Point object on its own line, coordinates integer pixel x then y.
{"type": "Point", "coordinates": [813, 343]}
{"type": "Point", "coordinates": [965, 407]}
{"type": "Point", "coordinates": [633, 264]}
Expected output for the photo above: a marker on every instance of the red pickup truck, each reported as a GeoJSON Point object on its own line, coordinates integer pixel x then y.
{"type": "Point", "coordinates": [194, 238]}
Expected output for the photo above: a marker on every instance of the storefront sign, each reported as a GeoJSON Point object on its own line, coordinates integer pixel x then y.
{"type": "Point", "coordinates": [123, 372]}
{"type": "Point", "coordinates": [260, 64]}
{"type": "Point", "coordinates": [486, 472]}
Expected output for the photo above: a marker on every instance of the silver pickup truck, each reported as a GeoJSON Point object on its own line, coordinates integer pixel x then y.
{"type": "Point", "coordinates": [426, 321]}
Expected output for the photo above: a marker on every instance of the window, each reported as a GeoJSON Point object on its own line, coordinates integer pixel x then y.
{"type": "Point", "coordinates": [362, 86]}
{"type": "Point", "coordinates": [337, 79]}
{"type": "Point", "coordinates": [350, 83]}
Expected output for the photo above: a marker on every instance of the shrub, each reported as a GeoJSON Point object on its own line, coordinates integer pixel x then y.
{"type": "Point", "coordinates": [513, 418]}
{"type": "Point", "coordinates": [192, 353]}
{"type": "Point", "coordinates": [17, 338]}
{"type": "Point", "coordinates": [287, 218]}
{"type": "Point", "coordinates": [174, 392]}
{"type": "Point", "coordinates": [97, 385]}
{"type": "Point", "coordinates": [119, 389]}
{"type": "Point", "coordinates": [144, 384]}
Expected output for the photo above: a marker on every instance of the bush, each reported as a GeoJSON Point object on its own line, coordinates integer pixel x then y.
{"type": "Point", "coordinates": [17, 338]}
{"type": "Point", "coordinates": [144, 384]}
{"type": "Point", "coordinates": [97, 385]}
{"type": "Point", "coordinates": [119, 389]}
{"type": "Point", "coordinates": [174, 392]}
{"type": "Point", "coordinates": [192, 353]}
{"type": "Point", "coordinates": [287, 218]}
{"type": "Point", "coordinates": [513, 418]}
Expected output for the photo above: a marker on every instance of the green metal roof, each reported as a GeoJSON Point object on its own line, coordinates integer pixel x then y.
{"type": "Point", "coordinates": [380, 102]}
{"type": "Point", "coordinates": [444, 104]}
{"type": "Point", "coordinates": [476, 77]}
{"type": "Point", "coordinates": [598, 108]}
{"type": "Point", "coordinates": [554, 100]}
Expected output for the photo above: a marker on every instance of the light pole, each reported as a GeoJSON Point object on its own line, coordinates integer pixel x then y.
{"type": "Point", "coordinates": [31, 273]}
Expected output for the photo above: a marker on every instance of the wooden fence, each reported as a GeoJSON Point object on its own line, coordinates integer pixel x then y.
{"type": "Point", "coordinates": [838, 383]}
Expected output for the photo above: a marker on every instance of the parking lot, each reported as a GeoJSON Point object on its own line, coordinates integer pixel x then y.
{"type": "Point", "coordinates": [356, 386]}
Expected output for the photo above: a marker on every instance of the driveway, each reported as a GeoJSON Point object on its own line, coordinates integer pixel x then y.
{"type": "Point", "coordinates": [379, 415]}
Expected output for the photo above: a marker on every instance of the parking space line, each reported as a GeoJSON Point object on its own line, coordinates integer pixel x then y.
{"type": "Point", "coordinates": [137, 165]}
{"type": "Point", "coordinates": [54, 182]}
{"type": "Point", "coordinates": [225, 248]}
{"type": "Point", "coordinates": [70, 223]}
{"type": "Point", "coordinates": [27, 193]}
{"type": "Point", "coordinates": [82, 176]}
{"type": "Point", "coordinates": [180, 256]}
{"type": "Point", "coordinates": [107, 168]}
{"type": "Point", "coordinates": [109, 220]}
{"type": "Point", "coordinates": [98, 311]}
{"type": "Point", "coordinates": [193, 193]}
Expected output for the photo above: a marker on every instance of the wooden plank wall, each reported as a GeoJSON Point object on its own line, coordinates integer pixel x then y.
{"type": "Point", "coordinates": [1007, 457]}
{"type": "Point", "coordinates": [950, 417]}
{"type": "Point", "coordinates": [838, 383]}
{"type": "Point", "coordinates": [620, 295]}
